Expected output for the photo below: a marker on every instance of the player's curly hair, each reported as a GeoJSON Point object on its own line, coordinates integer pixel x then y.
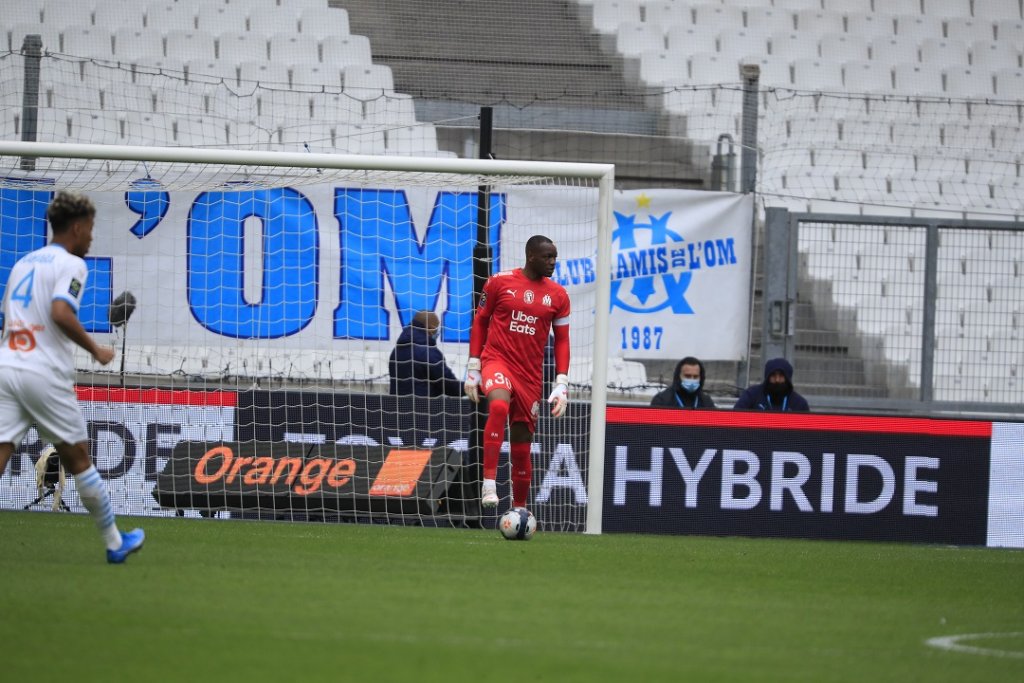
{"type": "Point", "coordinates": [68, 207]}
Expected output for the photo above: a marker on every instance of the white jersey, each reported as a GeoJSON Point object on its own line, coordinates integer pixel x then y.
{"type": "Point", "coordinates": [32, 341]}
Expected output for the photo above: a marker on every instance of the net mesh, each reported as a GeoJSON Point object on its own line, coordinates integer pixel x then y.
{"type": "Point", "coordinates": [269, 300]}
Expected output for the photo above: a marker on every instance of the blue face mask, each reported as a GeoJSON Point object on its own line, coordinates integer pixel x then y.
{"type": "Point", "coordinates": [691, 385]}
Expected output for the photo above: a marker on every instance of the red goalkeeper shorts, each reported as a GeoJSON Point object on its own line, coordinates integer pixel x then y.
{"type": "Point", "coordinates": [525, 403]}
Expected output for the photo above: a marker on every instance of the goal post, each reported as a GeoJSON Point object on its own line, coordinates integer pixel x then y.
{"type": "Point", "coordinates": [290, 275]}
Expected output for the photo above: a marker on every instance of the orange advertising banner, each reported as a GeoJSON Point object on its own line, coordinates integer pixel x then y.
{"type": "Point", "coordinates": [400, 473]}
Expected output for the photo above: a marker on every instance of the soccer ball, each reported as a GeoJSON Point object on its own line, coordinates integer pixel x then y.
{"type": "Point", "coordinates": [518, 524]}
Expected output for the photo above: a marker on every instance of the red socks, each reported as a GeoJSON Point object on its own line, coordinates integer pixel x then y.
{"type": "Point", "coordinates": [522, 473]}
{"type": "Point", "coordinates": [494, 434]}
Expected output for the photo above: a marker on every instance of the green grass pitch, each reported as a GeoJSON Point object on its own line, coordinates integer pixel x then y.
{"type": "Point", "coordinates": [214, 600]}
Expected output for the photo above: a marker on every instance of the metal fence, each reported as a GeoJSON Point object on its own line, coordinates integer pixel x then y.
{"type": "Point", "coordinates": [895, 313]}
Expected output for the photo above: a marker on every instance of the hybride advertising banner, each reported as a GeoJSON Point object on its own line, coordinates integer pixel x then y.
{"type": "Point", "coordinates": [334, 268]}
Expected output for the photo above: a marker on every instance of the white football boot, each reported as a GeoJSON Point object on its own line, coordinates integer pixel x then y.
{"type": "Point", "coordinates": [489, 495]}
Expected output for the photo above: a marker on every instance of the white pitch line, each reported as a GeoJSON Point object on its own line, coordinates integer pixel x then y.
{"type": "Point", "coordinates": [953, 644]}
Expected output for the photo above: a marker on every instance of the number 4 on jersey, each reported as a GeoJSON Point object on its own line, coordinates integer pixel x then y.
{"type": "Point", "coordinates": [23, 290]}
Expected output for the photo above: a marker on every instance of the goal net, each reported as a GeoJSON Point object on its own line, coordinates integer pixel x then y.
{"type": "Point", "coordinates": [269, 289]}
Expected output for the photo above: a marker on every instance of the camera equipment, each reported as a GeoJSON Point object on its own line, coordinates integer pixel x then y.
{"type": "Point", "coordinates": [50, 479]}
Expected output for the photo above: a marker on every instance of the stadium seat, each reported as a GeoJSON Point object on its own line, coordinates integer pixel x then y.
{"type": "Point", "coordinates": [212, 71]}
{"type": "Point", "coordinates": [188, 45]}
{"type": "Point", "coordinates": [994, 55]}
{"type": "Point", "coordinates": [1009, 84]}
{"type": "Point", "coordinates": [87, 41]}
{"type": "Point", "coordinates": [290, 48]}
{"type": "Point", "coordinates": [348, 50]}
{"type": "Point", "coordinates": [848, 6]}
{"type": "Point", "coordinates": [867, 77]}
{"type": "Point", "coordinates": [917, 79]}
{"type": "Point", "coordinates": [635, 38]}
{"type": "Point", "coordinates": [659, 67]}
{"type": "Point", "coordinates": [944, 53]}
{"type": "Point", "coordinates": [346, 110]}
{"type": "Point", "coordinates": [241, 47]}
{"type": "Point", "coordinates": [816, 22]}
{"type": "Point", "coordinates": [843, 47]}
{"type": "Point", "coordinates": [680, 96]}
{"type": "Point", "coordinates": [316, 137]}
{"type": "Point", "coordinates": [284, 107]}
{"type": "Point", "coordinates": [888, 163]}
{"type": "Point", "coordinates": [891, 51]}
{"type": "Point", "coordinates": [997, 10]}
{"type": "Point", "coordinates": [113, 15]}
{"type": "Point", "coordinates": [133, 44]}
{"type": "Point", "coordinates": [306, 76]}
{"type": "Point", "coordinates": [768, 20]}
{"type": "Point", "coordinates": [355, 139]}
{"type": "Point", "coordinates": [716, 18]}
{"type": "Point", "coordinates": [266, 21]}
{"type": "Point", "coordinates": [368, 81]}
{"type": "Point", "coordinates": [321, 23]}
{"type": "Point", "coordinates": [947, 9]}
{"type": "Point", "coordinates": [906, 7]}
{"type": "Point", "coordinates": [933, 165]}
{"type": "Point", "coordinates": [868, 133]}
{"type": "Point", "coordinates": [968, 82]}
{"type": "Point", "coordinates": [267, 73]}
{"type": "Point", "coordinates": [775, 73]}
{"type": "Point", "coordinates": [708, 69]}
{"type": "Point", "coordinates": [21, 13]}
{"type": "Point", "coordinates": [65, 13]}
{"type": "Point", "coordinates": [1010, 31]}
{"type": "Point", "coordinates": [141, 128]}
{"type": "Point", "coordinates": [196, 131]}
{"type": "Point", "coordinates": [792, 46]}
{"type": "Point", "coordinates": [734, 44]}
{"type": "Point", "coordinates": [918, 28]}
{"type": "Point", "coordinates": [871, 26]}
{"type": "Point", "coordinates": [818, 75]}
{"type": "Point", "coordinates": [216, 18]}
{"type": "Point", "coordinates": [668, 14]}
{"type": "Point", "coordinates": [171, 16]}
{"type": "Point", "coordinates": [1007, 137]}
{"type": "Point", "coordinates": [810, 130]}
{"type": "Point", "coordinates": [797, 5]}
{"type": "Point", "coordinates": [965, 137]}
{"type": "Point", "coordinates": [689, 40]}
{"type": "Point", "coordinates": [417, 140]}
{"type": "Point", "coordinates": [971, 30]}
{"type": "Point", "coordinates": [397, 109]}
{"type": "Point", "coordinates": [606, 15]}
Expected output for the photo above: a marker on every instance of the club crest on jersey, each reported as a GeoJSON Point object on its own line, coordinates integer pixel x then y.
{"type": "Point", "coordinates": [528, 296]}
{"type": "Point", "coordinates": [75, 288]}
{"type": "Point", "coordinates": [546, 300]}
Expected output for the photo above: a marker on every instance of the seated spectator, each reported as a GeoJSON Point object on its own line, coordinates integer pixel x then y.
{"type": "Point", "coordinates": [417, 367]}
{"type": "Point", "coordinates": [775, 393]}
{"type": "Point", "coordinates": [687, 389]}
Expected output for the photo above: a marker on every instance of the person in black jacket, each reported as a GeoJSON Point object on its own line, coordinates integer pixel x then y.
{"type": "Point", "coordinates": [417, 367]}
{"type": "Point", "coordinates": [687, 390]}
{"type": "Point", "coordinates": [776, 392]}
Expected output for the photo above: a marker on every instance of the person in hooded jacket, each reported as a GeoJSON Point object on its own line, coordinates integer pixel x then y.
{"type": "Point", "coordinates": [417, 367]}
{"type": "Point", "coordinates": [776, 392]}
{"type": "Point", "coordinates": [687, 390]}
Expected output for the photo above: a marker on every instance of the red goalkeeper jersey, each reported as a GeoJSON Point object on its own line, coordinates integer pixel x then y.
{"type": "Point", "coordinates": [517, 314]}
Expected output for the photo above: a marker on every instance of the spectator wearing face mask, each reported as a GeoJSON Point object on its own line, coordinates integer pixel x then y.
{"type": "Point", "coordinates": [776, 392]}
{"type": "Point", "coordinates": [417, 367]}
{"type": "Point", "coordinates": [687, 390]}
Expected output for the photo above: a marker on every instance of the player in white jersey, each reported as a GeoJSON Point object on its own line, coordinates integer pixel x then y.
{"type": "Point", "coordinates": [37, 371]}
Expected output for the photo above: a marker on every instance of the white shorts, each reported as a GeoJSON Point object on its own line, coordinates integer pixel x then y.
{"type": "Point", "coordinates": [28, 398]}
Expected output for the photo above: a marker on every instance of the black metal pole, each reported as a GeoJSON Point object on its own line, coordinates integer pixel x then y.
{"type": "Point", "coordinates": [32, 49]}
{"type": "Point", "coordinates": [482, 262]}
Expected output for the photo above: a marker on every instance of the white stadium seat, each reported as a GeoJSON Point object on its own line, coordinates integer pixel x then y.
{"type": "Point", "coordinates": [309, 76]}
{"type": "Point", "coordinates": [21, 13]}
{"type": "Point", "coordinates": [917, 28]}
{"type": "Point", "coordinates": [113, 15]}
{"type": "Point", "coordinates": [398, 109]}
{"type": "Point", "coordinates": [608, 14]}
{"type": "Point", "coordinates": [737, 44]}
{"type": "Point", "coordinates": [290, 48]}
{"type": "Point", "coordinates": [64, 13]}
{"type": "Point", "coordinates": [843, 47]}
{"type": "Point", "coordinates": [690, 40]}
{"type": "Point", "coordinates": [964, 81]}
{"type": "Point", "coordinates": [216, 18]}
{"type": "Point", "coordinates": [817, 74]}
{"type": "Point", "coordinates": [87, 41]}
{"type": "Point", "coordinates": [891, 51]}
{"type": "Point", "coordinates": [792, 46]}
{"type": "Point", "coordinates": [212, 71]}
{"type": "Point", "coordinates": [917, 79]}
{"type": "Point", "coordinates": [631, 40]}
{"type": "Point", "coordinates": [237, 47]}
{"type": "Point", "coordinates": [262, 71]}
{"type": "Point", "coordinates": [990, 55]}
{"type": "Point", "coordinates": [348, 50]}
{"type": "Point", "coordinates": [170, 16]}
{"type": "Point", "coordinates": [668, 14]}
{"type": "Point", "coordinates": [797, 5]}
{"type": "Point", "coordinates": [418, 140]}
{"type": "Point", "coordinates": [132, 44]}
{"type": "Point", "coordinates": [947, 9]}
{"type": "Point", "coordinates": [659, 67]}
{"type": "Point", "coordinates": [50, 35]}
{"type": "Point", "coordinates": [871, 26]}
{"type": "Point", "coordinates": [816, 22]}
{"type": "Point", "coordinates": [908, 7]}
{"type": "Point", "coordinates": [769, 20]}
{"type": "Point", "coordinates": [320, 23]}
{"type": "Point", "coordinates": [996, 10]}
{"type": "Point", "coordinates": [267, 21]}
{"type": "Point", "coordinates": [943, 53]}
{"type": "Point", "coordinates": [188, 45]}
{"type": "Point", "coordinates": [867, 77]}
{"type": "Point", "coordinates": [716, 18]}
{"type": "Point", "coordinates": [971, 30]}
{"type": "Point", "coordinates": [848, 6]}
{"type": "Point", "coordinates": [368, 81]}
{"type": "Point", "coordinates": [713, 69]}
{"type": "Point", "coordinates": [1009, 84]}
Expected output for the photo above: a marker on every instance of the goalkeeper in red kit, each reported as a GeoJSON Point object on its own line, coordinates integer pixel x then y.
{"type": "Point", "coordinates": [517, 311]}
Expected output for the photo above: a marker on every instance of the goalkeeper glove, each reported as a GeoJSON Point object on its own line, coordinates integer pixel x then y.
{"type": "Point", "coordinates": [560, 396]}
{"type": "Point", "coordinates": [472, 384]}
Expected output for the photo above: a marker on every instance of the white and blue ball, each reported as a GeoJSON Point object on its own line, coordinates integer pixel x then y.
{"type": "Point", "coordinates": [518, 524]}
